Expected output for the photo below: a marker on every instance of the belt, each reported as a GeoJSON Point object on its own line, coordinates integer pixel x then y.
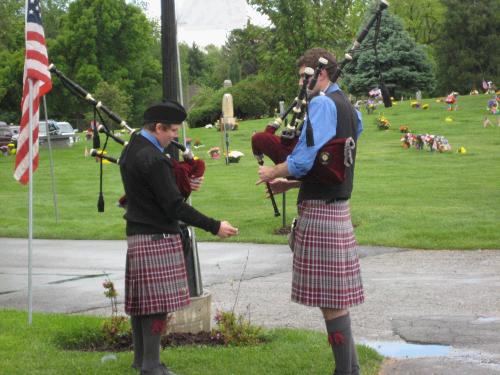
{"type": "Point", "coordinates": [161, 236]}
{"type": "Point", "coordinates": [333, 200]}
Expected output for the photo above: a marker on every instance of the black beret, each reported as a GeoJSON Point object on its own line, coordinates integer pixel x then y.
{"type": "Point", "coordinates": [166, 112]}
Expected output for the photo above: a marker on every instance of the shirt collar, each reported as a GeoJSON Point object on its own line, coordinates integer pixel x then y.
{"type": "Point", "coordinates": [332, 88]}
{"type": "Point", "coordinates": [151, 138]}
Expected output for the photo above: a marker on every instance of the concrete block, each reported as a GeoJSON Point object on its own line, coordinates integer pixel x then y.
{"type": "Point", "coordinates": [195, 318]}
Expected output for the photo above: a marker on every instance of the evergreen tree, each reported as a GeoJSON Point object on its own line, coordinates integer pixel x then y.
{"type": "Point", "coordinates": [403, 63]}
{"type": "Point", "coordinates": [468, 49]}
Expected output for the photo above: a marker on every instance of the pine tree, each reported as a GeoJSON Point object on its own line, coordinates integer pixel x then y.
{"type": "Point", "coordinates": [403, 63]}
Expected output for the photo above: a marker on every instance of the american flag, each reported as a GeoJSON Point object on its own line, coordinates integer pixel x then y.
{"type": "Point", "coordinates": [36, 69]}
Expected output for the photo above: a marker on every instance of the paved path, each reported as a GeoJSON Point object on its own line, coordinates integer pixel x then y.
{"type": "Point", "coordinates": [450, 298]}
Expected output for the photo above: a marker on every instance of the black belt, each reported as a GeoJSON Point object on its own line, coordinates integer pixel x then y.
{"type": "Point", "coordinates": [161, 236]}
{"type": "Point", "coordinates": [333, 200]}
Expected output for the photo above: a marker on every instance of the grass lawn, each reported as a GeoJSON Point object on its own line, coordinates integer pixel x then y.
{"type": "Point", "coordinates": [405, 198]}
{"type": "Point", "coordinates": [33, 350]}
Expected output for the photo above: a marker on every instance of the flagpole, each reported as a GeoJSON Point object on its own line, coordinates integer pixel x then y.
{"type": "Point", "coordinates": [51, 159]}
{"type": "Point", "coordinates": [194, 245]}
{"type": "Point", "coordinates": [30, 204]}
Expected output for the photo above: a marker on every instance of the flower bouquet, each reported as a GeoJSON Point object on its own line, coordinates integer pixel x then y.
{"type": "Point", "coordinates": [382, 123]}
{"type": "Point", "coordinates": [404, 129]}
{"type": "Point", "coordinates": [214, 152]}
{"type": "Point", "coordinates": [234, 156]}
{"type": "Point", "coordinates": [432, 142]}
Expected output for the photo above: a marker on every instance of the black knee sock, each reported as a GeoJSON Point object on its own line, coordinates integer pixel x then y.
{"type": "Point", "coordinates": [344, 351]}
{"type": "Point", "coordinates": [135, 322]}
{"type": "Point", "coordinates": [152, 329]}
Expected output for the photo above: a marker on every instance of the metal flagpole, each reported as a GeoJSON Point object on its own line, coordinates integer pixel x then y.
{"type": "Point", "coordinates": [52, 174]}
{"type": "Point", "coordinates": [30, 204]}
{"type": "Point", "coordinates": [194, 245]}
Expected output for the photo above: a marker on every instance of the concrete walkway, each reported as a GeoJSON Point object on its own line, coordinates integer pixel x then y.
{"type": "Point", "coordinates": [446, 298]}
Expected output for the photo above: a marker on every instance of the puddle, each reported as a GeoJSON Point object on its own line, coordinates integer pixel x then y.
{"type": "Point", "coordinates": [486, 319]}
{"type": "Point", "coordinates": [396, 349]}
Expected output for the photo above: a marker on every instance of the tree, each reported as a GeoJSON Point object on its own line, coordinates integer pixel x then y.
{"type": "Point", "coordinates": [467, 51]}
{"type": "Point", "coordinates": [107, 40]}
{"type": "Point", "coordinates": [196, 63]}
{"type": "Point", "coordinates": [248, 46]}
{"type": "Point", "coordinates": [422, 18]}
{"type": "Point", "coordinates": [115, 98]}
{"type": "Point", "coordinates": [404, 65]}
{"type": "Point", "coordinates": [303, 24]}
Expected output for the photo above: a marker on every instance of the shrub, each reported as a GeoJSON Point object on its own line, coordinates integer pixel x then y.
{"type": "Point", "coordinates": [252, 98]}
{"type": "Point", "coordinates": [236, 330]}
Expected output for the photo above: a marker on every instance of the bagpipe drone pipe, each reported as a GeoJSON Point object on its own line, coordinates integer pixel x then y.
{"type": "Point", "coordinates": [184, 171]}
{"type": "Point", "coordinates": [336, 155]}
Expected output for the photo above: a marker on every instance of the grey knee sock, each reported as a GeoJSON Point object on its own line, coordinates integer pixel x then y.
{"type": "Point", "coordinates": [152, 327]}
{"type": "Point", "coordinates": [344, 351]}
{"type": "Point", "coordinates": [135, 322]}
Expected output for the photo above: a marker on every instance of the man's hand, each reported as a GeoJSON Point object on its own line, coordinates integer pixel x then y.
{"type": "Point", "coordinates": [195, 183]}
{"type": "Point", "coordinates": [280, 185]}
{"type": "Point", "coordinates": [226, 230]}
{"type": "Point", "coordinates": [266, 174]}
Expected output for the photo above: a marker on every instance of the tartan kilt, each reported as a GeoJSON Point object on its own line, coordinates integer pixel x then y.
{"type": "Point", "coordinates": [155, 275]}
{"type": "Point", "coordinates": [326, 270]}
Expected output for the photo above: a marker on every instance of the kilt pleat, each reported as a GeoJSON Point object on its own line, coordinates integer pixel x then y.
{"type": "Point", "coordinates": [155, 276]}
{"type": "Point", "coordinates": [326, 271]}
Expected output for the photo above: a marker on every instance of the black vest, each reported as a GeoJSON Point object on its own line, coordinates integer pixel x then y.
{"type": "Point", "coordinates": [346, 127]}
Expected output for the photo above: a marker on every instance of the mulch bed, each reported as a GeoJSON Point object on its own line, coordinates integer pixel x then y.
{"type": "Point", "coordinates": [124, 342]}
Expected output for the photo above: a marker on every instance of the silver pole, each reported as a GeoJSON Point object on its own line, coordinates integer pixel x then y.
{"type": "Point", "coordinates": [194, 245]}
{"type": "Point", "coordinates": [52, 174]}
{"type": "Point", "coordinates": [30, 204]}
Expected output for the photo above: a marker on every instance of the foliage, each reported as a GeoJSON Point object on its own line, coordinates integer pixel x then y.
{"type": "Point", "coordinates": [300, 25]}
{"type": "Point", "coordinates": [114, 98]}
{"type": "Point", "coordinates": [252, 98]}
{"type": "Point", "coordinates": [236, 330]}
{"type": "Point", "coordinates": [422, 18]}
{"type": "Point", "coordinates": [31, 350]}
{"type": "Point", "coordinates": [105, 40]}
{"type": "Point", "coordinates": [467, 51]}
{"type": "Point", "coordinates": [404, 65]}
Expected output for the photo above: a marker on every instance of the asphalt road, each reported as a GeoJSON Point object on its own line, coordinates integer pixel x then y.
{"type": "Point", "coordinates": [446, 298]}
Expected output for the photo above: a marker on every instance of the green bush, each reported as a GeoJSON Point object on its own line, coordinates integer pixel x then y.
{"type": "Point", "coordinates": [252, 98]}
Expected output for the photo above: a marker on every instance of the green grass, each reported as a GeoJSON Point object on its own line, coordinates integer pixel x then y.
{"type": "Point", "coordinates": [32, 350]}
{"type": "Point", "coordinates": [404, 198]}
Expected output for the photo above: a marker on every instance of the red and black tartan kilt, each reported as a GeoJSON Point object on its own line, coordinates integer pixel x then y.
{"type": "Point", "coordinates": [155, 275]}
{"type": "Point", "coordinates": [326, 270]}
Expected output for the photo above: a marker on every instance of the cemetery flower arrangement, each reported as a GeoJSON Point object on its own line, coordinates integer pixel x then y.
{"type": "Point", "coordinates": [404, 129]}
{"type": "Point", "coordinates": [234, 156]}
{"type": "Point", "coordinates": [382, 123]}
{"type": "Point", "coordinates": [425, 106]}
{"type": "Point", "coordinates": [197, 143]}
{"type": "Point", "coordinates": [214, 152]}
{"type": "Point", "coordinates": [426, 141]}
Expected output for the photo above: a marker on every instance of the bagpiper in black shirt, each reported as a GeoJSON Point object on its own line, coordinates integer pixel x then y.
{"type": "Point", "coordinates": [154, 203]}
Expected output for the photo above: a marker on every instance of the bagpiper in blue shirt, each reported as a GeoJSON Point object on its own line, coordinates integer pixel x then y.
{"type": "Point", "coordinates": [322, 113]}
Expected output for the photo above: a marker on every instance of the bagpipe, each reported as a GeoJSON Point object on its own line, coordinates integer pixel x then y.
{"type": "Point", "coordinates": [337, 154]}
{"type": "Point", "coordinates": [189, 168]}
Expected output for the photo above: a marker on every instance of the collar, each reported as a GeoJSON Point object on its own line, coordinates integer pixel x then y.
{"type": "Point", "coordinates": [151, 138]}
{"type": "Point", "coordinates": [332, 87]}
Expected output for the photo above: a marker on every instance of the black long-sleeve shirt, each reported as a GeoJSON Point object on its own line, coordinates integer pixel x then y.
{"type": "Point", "coordinates": [154, 203]}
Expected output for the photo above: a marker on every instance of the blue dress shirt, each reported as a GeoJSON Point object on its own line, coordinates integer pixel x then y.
{"type": "Point", "coordinates": [322, 113]}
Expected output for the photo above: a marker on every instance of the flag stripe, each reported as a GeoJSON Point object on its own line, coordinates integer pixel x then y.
{"type": "Point", "coordinates": [35, 69]}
